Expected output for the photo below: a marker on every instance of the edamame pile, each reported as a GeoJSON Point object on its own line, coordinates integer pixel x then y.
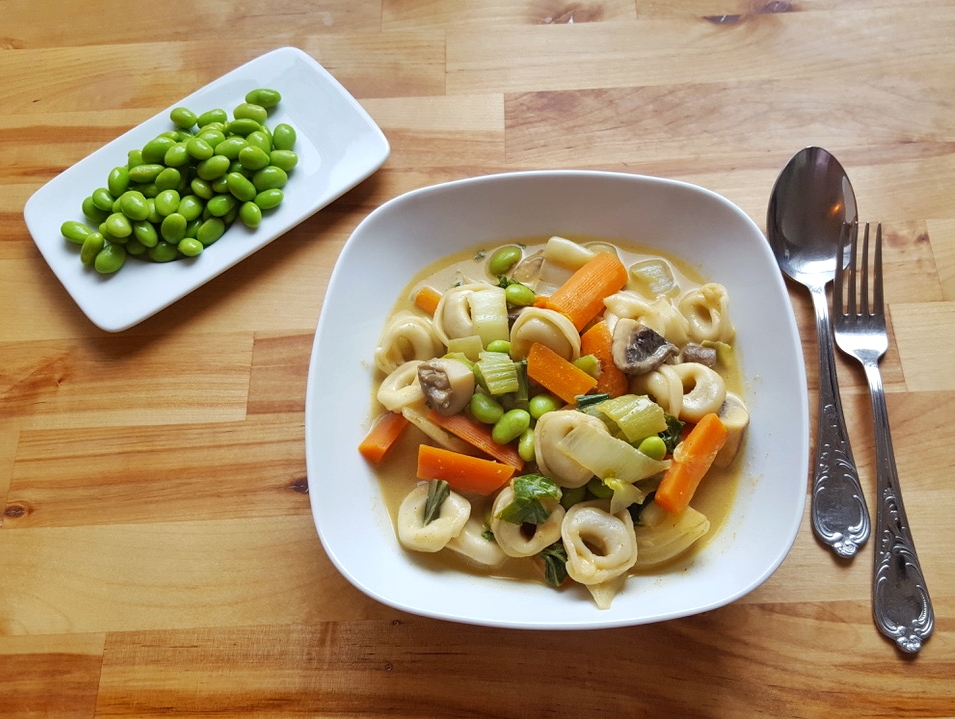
{"type": "Point", "coordinates": [182, 190]}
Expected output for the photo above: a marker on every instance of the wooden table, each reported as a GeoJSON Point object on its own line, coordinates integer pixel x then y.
{"type": "Point", "coordinates": [157, 552]}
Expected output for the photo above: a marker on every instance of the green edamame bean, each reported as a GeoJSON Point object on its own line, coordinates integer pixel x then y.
{"type": "Point", "coordinates": [241, 187]}
{"type": "Point", "coordinates": [230, 147]}
{"type": "Point", "coordinates": [155, 150]}
{"type": "Point", "coordinates": [109, 236]}
{"type": "Point", "coordinates": [135, 248]}
{"type": "Point", "coordinates": [134, 157]}
{"type": "Point", "coordinates": [589, 364]}
{"type": "Point", "coordinates": [173, 228]}
{"type": "Point", "coordinates": [199, 149]}
{"type": "Point", "coordinates": [519, 295]}
{"type": "Point", "coordinates": [484, 408]}
{"type": "Point", "coordinates": [215, 167]}
{"type": "Point", "coordinates": [286, 159]}
{"type": "Point", "coordinates": [210, 231]}
{"type": "Point", "coordinates": [253, 158]}
{"type": "Point", "coordinates": [177, 155]}
{"type": "Point", "coordinates": [118, 181]}
{"type": "Point", "coordinates": [250, 214]}
{"type": "Point", "coordinates": [147, 172]}
{"type": "Point", "coordinates": [75, 231]}
{"type": "Point", "coordinates": [168, 179]}
{"type": "Point", "coordinates": [145, 233]}
{"type": "Point", "coordinates": [183, 117]}
{"type": "Point", "coordinates": [118, 225]}
{"type": "Point", "coordinates": [525, 445]}
{"type": "Point", "coordinates": [251, 111]}
{"type": "Point", "coordinates": [654, 447]}
{"type": "Point", "coordinates": [211, 116]}
{"type": "Point", "coordinates": [220, 185]}
{"type": "Point", "coordinates": [153, 216]}
{"type": "Point", "coordinates": [212, 136]}
{"type": "Point", "coordinates": [133, 204]}
{"type": "Point", "coordinates": [283, 136]}
{"type": "Point", "coordinates": [201, 188]}
{"type": "Point", "coordinates": [260, 139]}
{"type": "Point", "coordinates": [597, 488]}
{"type": "Point", "coordinates": [110, 259]}
{"type": "Point", "coordinates": [264, 97]}
{"type": "Point", "coordinates": [190, 247]}
{"type": "Point", "coordinates": [190, 207]}
{"type": "Point", "coordinates": [92, 212]}
{"type": "Point", "coordinates": [163, 252]}
{"type": "Point", "coordinates": [167, 202]}
{"type": "Point", "coordinates": [511, 426]}
{"type": "Point", "coordinates": [502, 346]}
{"type": "Point", "coordinates": [148, 189]}
{"type": "Point", "coordinates": [541, 404]}
{"type": "Point", "coordinates": [221, 205]}
{"type": "Point", "coordinates": [102, 199]}
{"type": "Point", "coordinates": [92, 246]}
{"type": "Point", "coordinates": [269, 177]}
{"type": "Point", "coordinates": [242, 126]}
{"type": "Point", "coordinates": [269, 199]}
{"type": "Point", "coordinates": [504, 259]}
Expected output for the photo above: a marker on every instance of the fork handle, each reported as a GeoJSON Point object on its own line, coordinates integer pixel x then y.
{"type": "Point", "coordinates": [900, 601]}
{"type": "Point", "coordinates": [839, 514]}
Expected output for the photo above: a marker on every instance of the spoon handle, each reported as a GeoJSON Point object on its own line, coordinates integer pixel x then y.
{"type": "Point", "coordinates": [840, 517]}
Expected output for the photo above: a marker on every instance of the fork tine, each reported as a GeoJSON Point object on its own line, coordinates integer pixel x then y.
{"type": "Point", "coordinates": [864, 269]}
{"type": "Point", "coordinates": [852, 270]}
{"type": "Point", "coordinates": [878, 301]}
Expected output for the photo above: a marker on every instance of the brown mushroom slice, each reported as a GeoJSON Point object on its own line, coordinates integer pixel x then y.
{"type": "Point", "coordinates": [447, 384]}
{"type": "Point", "coordinates": [693, 352]}
{"type": "Point", "coordinates": [637, 349]}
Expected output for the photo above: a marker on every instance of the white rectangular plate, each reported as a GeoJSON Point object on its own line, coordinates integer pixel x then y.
{"type": "Point", "coordinates": [338, 145]}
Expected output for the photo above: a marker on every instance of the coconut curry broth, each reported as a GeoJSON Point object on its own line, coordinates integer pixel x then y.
{"type": "Point", "coordinates": [396, 474]}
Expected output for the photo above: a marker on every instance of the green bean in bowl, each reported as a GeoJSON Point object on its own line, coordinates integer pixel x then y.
{"type": "Point", "coordinates": [179, 193]}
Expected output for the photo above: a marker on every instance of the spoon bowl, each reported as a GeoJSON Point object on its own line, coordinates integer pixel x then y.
{"type": "Point", "coordinates": [810, 208]}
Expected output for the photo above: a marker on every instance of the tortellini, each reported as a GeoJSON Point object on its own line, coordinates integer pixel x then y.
{"type": "Point", "coordinates": [687, 390]}
{"type": "Point", "coordinates": [513, 540]}
{"type": "Point", "coordinates": [707, 313]}
{"type": "Point", "coordinates": [406, 337]}
{"type": "Point", "coordinates": [660, 314]}
{"type": "Point", "coordinates": [600, 546]}
{"type": "Point", "coordinates": [553, 462]}
{"type": "Point", "coordinates": [452, 318]}
{"type": "Point", "coordinates": [434, 536]}
{"type": "Point", "coordinates": [401, 387]}
{"type": "Point", "coordinates": [550, 328]}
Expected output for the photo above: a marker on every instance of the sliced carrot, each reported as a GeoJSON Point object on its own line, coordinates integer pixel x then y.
{"type": "Point", "coordinates": [426, 299]}
{"type": "Point", "coordinates": [581, 297]}
{"type": "Point", "coordinates": [598, 341]}
{"type": "Point", "coordinates": [692, 459]}
{"type": "Point", "coordinates": [479, 436]}
{"type": "Point", "coordinates": [463, 472]}
{"type": "Point", "coordinates": [563, 378]}
{"type": "Point", "coordinates": [382, 436]}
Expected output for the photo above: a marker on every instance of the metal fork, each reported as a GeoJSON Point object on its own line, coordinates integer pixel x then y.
{"type": "Point", "coordinates": [900, 601]}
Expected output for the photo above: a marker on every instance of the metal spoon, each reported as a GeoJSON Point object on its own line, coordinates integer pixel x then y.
{"type": "Point", "coordinates": [810, 203]}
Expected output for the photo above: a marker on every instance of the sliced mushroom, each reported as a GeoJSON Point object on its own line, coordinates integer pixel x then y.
{"type": "Point", "coordinates": [447, 384]}
{"type": "Point", "coordinates": [637, 349]}
{"type": "Point", "coordinates": [735, 418]}
{"type": "Point", "coordinates": [693, 352]}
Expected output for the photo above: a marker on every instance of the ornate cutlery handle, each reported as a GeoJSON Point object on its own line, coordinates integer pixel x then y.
{"type": "Point", "coordinates": [840, 517]}
{"type": "Point", "coordinates": [900, 600]}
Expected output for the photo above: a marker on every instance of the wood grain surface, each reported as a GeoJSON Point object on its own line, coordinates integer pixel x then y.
{"type": "Point", "coordinates": [157, 552]}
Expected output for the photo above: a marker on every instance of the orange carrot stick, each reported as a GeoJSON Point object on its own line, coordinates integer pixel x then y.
{"type": "Point", "coordinates": [598, 341]}
{"type": "Point", "coordinates": [692, 459]}
{"type": "Point", "coordinates": [463, 472]}
{"type": "Point", "coordinates": [479, 436]}
{"type": "Point", "coordinates": [426, 299]}
{"type": "Point", "coordinates": [382, 436]}
{"type": "Point", "coordinates": [581, 297]}
{"type": "Point", "coordinates": [550, 370]}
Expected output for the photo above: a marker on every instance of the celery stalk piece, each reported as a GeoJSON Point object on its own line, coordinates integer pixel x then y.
{"type": "Point", "coordinates": [606, 456]}
{"type": "Point", "coordinates": [637, 416]}
{"type": "Point", "coordinates": [489, 314]}
{"type": "Point", "coordinates": [498, 373]}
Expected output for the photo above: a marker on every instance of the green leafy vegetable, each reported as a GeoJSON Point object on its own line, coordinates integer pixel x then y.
{"type": "Point", "coordinates": [527, 508]}
{"type": "Point", "coordinates": [438, 491]}
{"type": "Point", "coordinates": [671, 435]}
{"type": "Point", "coordinates": [555, 563]}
